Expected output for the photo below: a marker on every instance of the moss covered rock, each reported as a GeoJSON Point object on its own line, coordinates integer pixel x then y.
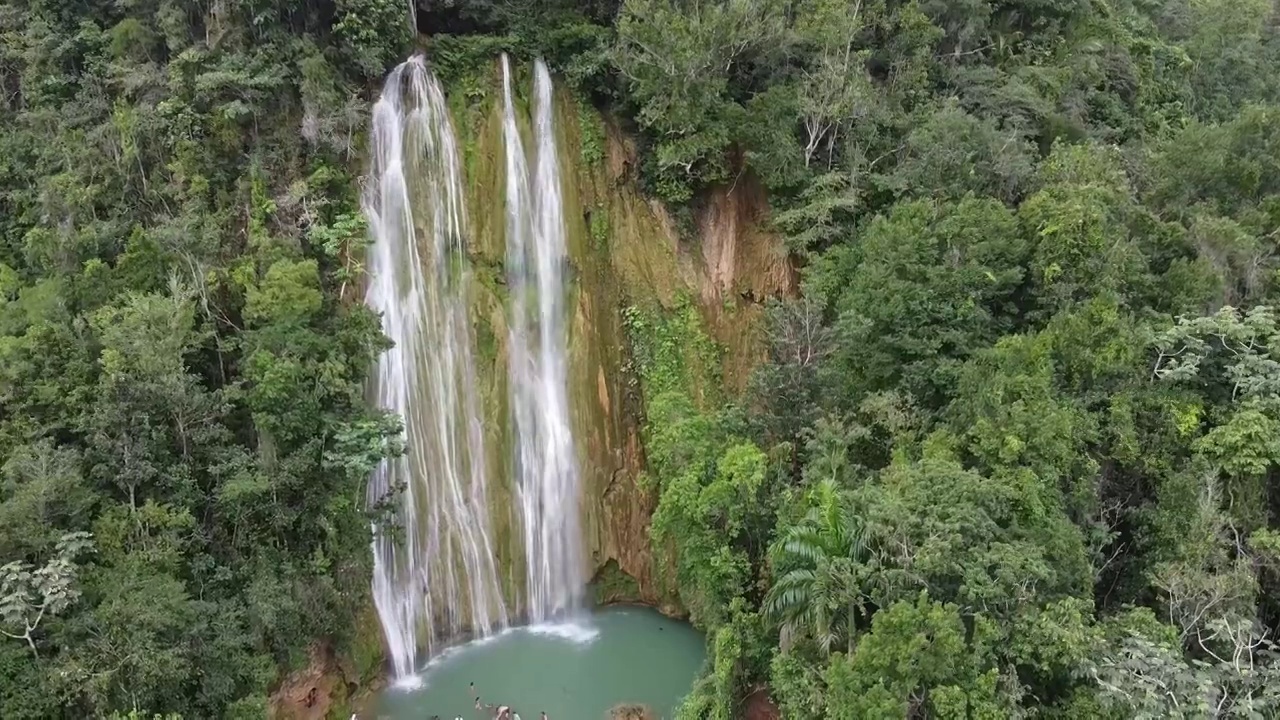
{"type": "Point", "coordinates": [631, 712]}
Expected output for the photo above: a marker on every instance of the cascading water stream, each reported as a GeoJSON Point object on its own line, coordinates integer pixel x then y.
{"type": "Point", "coordinates": [438, 577]}
{"type": "Point", "coordinates": [545, 460]}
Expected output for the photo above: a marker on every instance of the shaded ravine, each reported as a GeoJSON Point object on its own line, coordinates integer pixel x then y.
{"type": "Point", "coordinates": [434, 568]}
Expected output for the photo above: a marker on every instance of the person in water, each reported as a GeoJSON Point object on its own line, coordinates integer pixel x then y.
{"type": "Point", "coordinates": [497, 711]}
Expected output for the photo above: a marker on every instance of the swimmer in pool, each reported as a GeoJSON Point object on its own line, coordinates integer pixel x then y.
{"type": "Point", "coordinates": [473, 690]}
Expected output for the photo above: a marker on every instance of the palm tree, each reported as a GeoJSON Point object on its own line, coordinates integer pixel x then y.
{"type": "Point", "coordinates": [821, 566]}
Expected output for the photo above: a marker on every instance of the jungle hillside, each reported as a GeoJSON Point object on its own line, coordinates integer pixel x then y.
{"type": "Point", "coordinates": [1010, 450]}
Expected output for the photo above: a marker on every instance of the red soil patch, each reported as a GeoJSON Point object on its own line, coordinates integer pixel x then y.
{"type": "Point", "coordinates": [308, 694]}
{"type": "Point", "coordinates": [759, 706]}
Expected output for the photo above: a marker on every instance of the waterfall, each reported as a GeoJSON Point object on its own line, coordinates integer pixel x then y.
{"type": "Point", "coordinates": [545, 461]}
{"type": "Point", "coordinates": [435, 574]}
{"type": "Point", "coordinates": [434, 567]}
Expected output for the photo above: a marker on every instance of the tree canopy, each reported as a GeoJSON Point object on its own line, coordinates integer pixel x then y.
{"type": "Point", "coordinates": [1010, 453]}
{"type": "Point", "coordinates": [183, 433]}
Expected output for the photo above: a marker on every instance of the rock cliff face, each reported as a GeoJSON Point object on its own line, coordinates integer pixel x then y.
{"type": "Point", "coordinates": [624, 250]}
{"type": "Point", "coordinates": [334, 681]}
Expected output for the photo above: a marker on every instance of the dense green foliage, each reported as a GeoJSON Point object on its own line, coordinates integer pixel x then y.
{"type": "Point", "coordinates": [180, 378]}
{"type": "Point", "coordinates": [1012, 453]}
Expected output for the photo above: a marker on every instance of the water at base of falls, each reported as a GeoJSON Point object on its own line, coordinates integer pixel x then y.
{"type": "Point", "coordinates": [545, 460]}
{"type": "Point", "coordinates": [571, 672]}
{"type": "Point", "coordinates": [434, 574]}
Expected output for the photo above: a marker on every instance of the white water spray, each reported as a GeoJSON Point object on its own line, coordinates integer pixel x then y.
{"type": "Point", "coordinates": [545, 460]}
{"type": "Point", "coordinates": [437, 578]}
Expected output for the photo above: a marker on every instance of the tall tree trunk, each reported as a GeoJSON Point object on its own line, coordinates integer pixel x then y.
{"type": "Point", "coordinates": [853, 627]}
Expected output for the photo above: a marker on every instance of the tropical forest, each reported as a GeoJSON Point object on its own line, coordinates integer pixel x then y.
{"type": "Point", "coordinates": [639, 359]}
